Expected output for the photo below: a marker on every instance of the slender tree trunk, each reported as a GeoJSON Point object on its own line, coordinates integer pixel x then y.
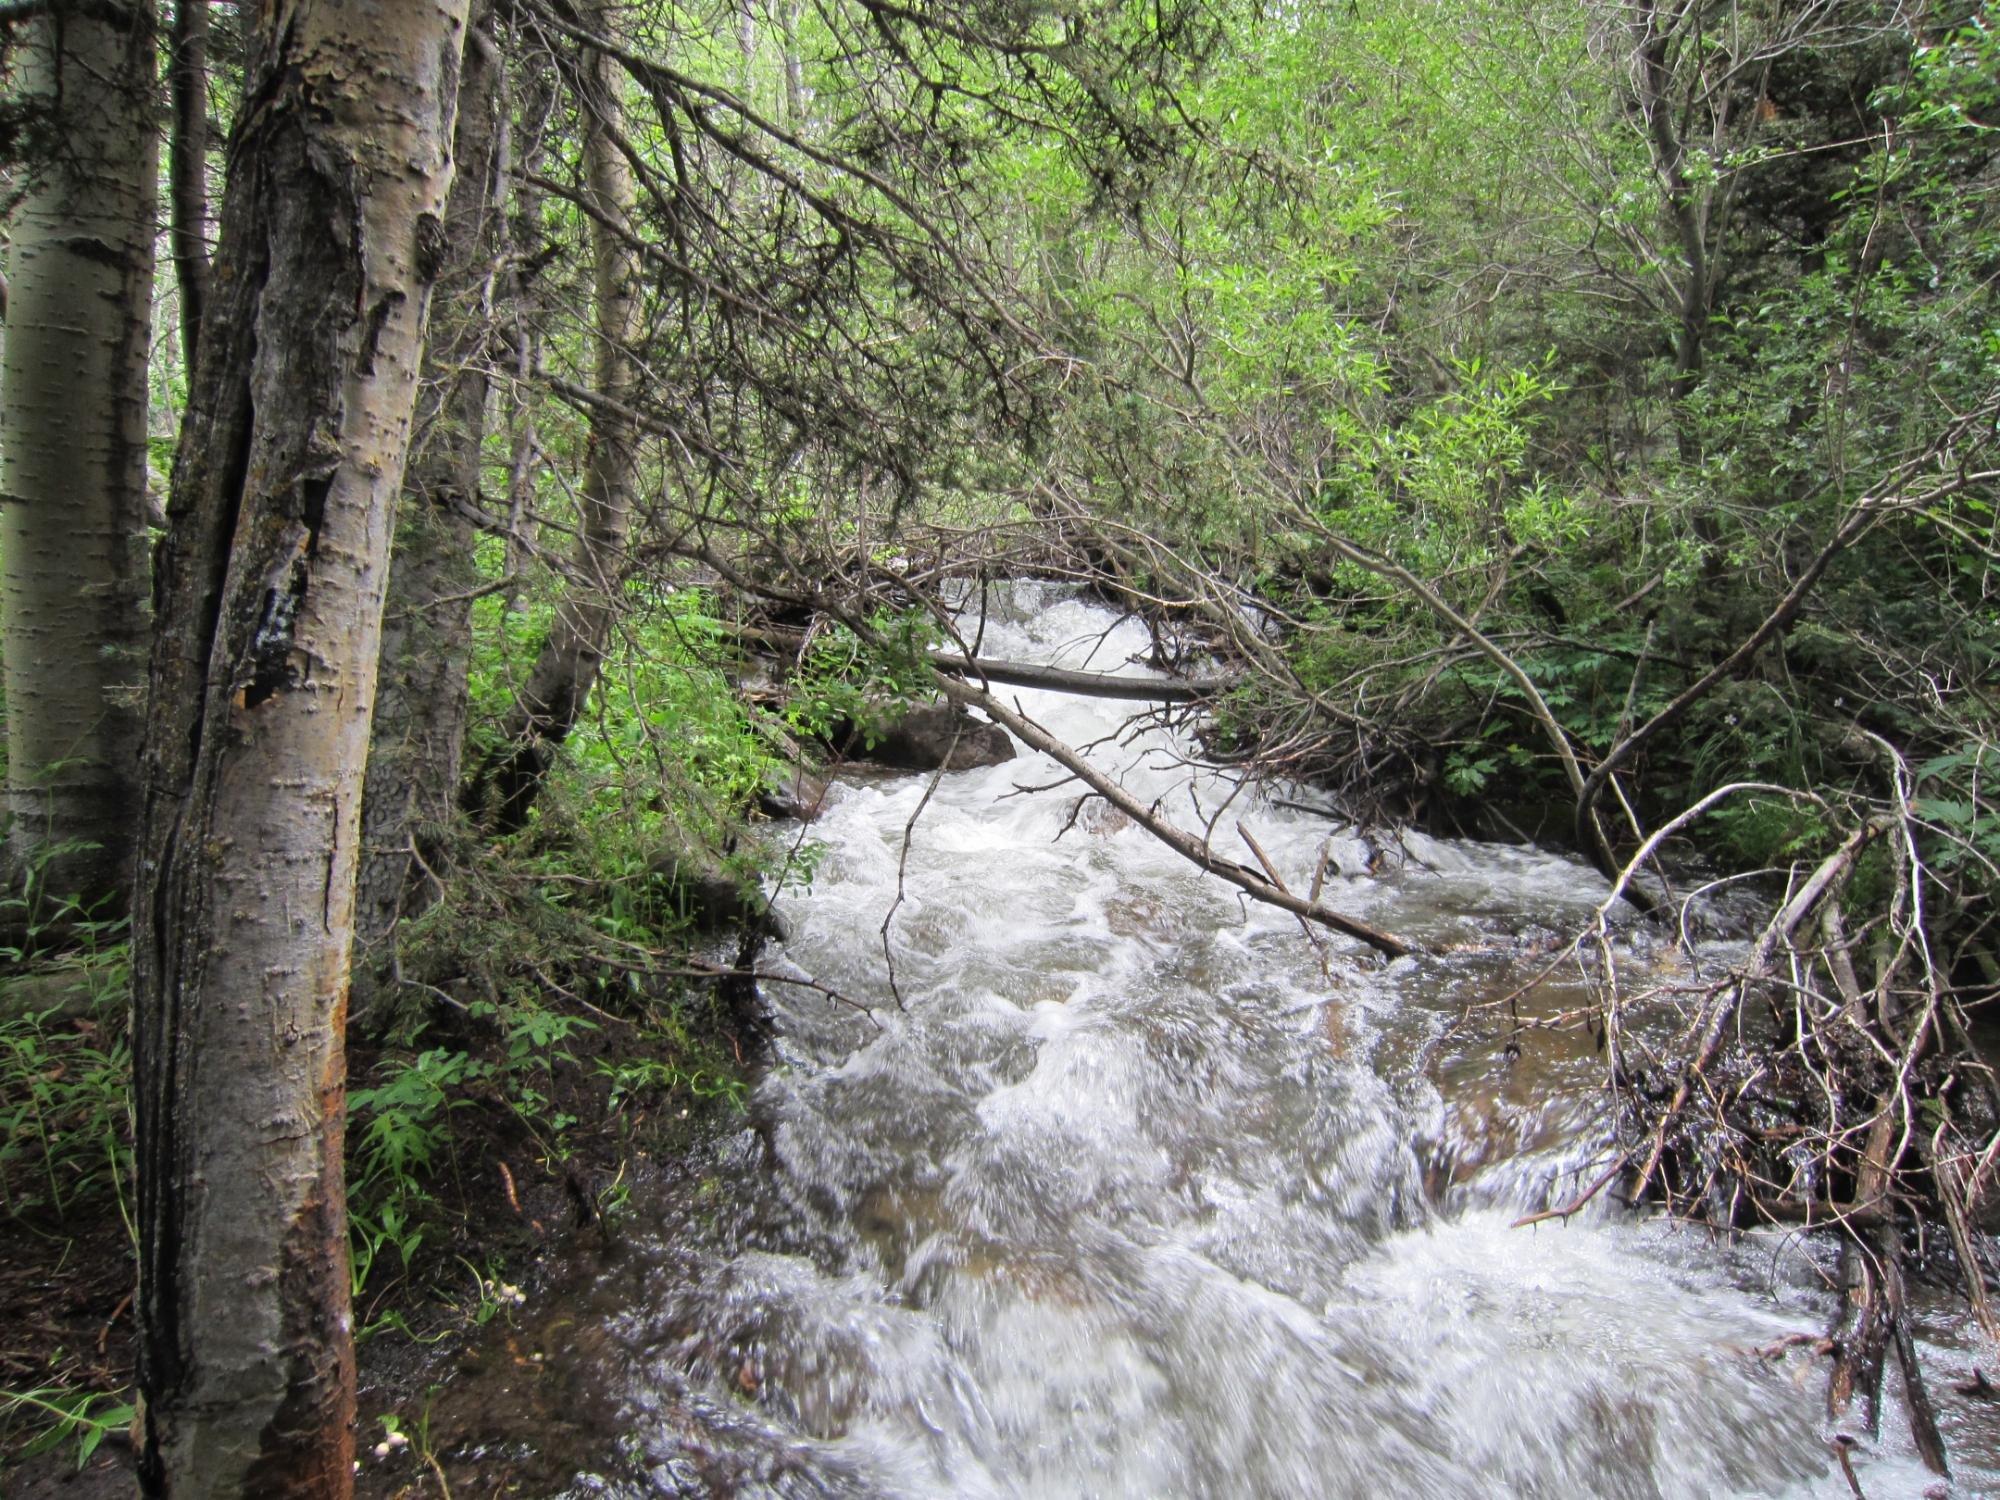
{"type": "Point", "coordinates": [795, 71]}
{"type": "Point", "coordinates": [271, 584]}
{"type": "Point", "coordinates": [746, 46]}
{"type": "Point", "coordinates": [420, 699]}
{"type": "Point", "coordinates": [187, 168]}
{"type": "Point", "coordinates": [557, 688]}
{"type": "Point", "coordinates": [1686, 203]}
{"type": "Point", "coordinates": [527, 235]}
{"type": "Point", "coordinates": [73, 581]}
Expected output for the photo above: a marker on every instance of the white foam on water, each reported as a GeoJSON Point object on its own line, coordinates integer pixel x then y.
{"type": "Point", "coordinates": [1129, 1197]}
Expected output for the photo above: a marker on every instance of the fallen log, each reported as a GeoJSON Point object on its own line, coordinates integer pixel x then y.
{"type": "Point", "coordinates": [1087, 684]}
{"type": "Point", "coordinates": [1022, 674]}
{"type": "Point", "coordinates": [1194, 850]}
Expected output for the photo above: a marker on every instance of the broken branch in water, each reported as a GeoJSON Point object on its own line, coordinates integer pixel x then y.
{"type": "Point", "coordinates": [1181, 842]}
{"type": "Point", "coordinates": [1581, 1201]}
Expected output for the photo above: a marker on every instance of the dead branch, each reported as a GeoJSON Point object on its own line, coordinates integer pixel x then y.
{"type": "Point", "coordinates": [1250, 881]}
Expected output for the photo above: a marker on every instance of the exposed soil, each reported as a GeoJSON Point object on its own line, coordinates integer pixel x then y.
{"type": "Point", "coordinates": [65, 1321]}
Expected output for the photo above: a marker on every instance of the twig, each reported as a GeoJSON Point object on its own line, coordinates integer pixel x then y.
{"type": "Point", "coordinates": [1581, 1201]}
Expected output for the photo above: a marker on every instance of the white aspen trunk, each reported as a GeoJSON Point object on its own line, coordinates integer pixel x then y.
{"type": "Point", "coordinates": [73, 575]}
{"type": "Point", "coordinates": [746, 44]}
{"type": "Point", "coordinates": [263, 678]}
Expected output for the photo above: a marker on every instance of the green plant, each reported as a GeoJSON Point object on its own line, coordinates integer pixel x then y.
{"type": "Point", "coordinates": [402, 1131]}
{"type": "Point", "coordinates": [1958, 805]}
{"type": "Point", "coordinates": [632, 1077]}
{"type": "Point", "coordinates": [64, 1109]}
{"type": "Point", "coordinates": [491, 1295]}
{"type": "Point", "coordinates": [44, 919]}
{"type": "Point", "coordinates": [403, 1128]}
{"type": "Point", "coordinates": [533, 1036]}
{"type": "Point", "coordinates": [389, 1227]}
{"type": "Point", "coordinates": [83, 1417]}
{"type": "Point", "coordinates": [845, 680]}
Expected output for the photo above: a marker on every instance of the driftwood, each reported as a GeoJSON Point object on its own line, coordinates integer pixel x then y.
{"type": "Point", "coordinates": [1873, 1321]}
{"type": "Point", "coordinates": [1087, 684]}
{"type": "Point", "coordinates": [1197, 852]}
{"type": "Point", "coordinates": [988, 669]}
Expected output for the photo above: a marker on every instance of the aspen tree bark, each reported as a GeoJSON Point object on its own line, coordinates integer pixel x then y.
{"type": "Point", "coordinates": [420, 701]}
{"type": "Point", "coordinates": [271, 583]}
{"type": "Point", "coordinates": [73, 579]}
{"type": "Point", "coordinates": [746, 46]}
{"type": "Point", "coordinates": [565, 669]}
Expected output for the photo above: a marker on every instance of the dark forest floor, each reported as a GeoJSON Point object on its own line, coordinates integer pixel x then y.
{"type": "Point", "coordinates": [454, 1352]}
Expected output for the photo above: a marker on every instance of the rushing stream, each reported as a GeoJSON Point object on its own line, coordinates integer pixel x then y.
{"type": "Point", "coordinates": [1131, 1196]}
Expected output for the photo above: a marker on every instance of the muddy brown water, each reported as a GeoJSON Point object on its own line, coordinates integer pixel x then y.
{"type": "Point", "coordinates": [1124, 1188]}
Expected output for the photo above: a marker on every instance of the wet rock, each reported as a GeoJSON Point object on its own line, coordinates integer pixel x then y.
{"type": "Point", "coordinates": [1351, 857]}
{"type": "Point", "coordinates": [714, 900]}
{"type": "Point", "coordinates": [929, 737]}
{"type": "Point", "coordinates": [792, 793]}
{"type": "Point", "coordinates": [1100, 819]}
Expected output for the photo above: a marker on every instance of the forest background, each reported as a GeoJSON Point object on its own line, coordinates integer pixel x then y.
{"type": "Point", "coordinates": [1535, 420]}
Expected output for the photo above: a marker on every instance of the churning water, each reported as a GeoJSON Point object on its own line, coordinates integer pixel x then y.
{"type": "Point", "coordinates": [1125, 1189]}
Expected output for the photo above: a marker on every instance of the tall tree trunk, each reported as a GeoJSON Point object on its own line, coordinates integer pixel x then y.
{"type": "Point", "coordinates": [565, 669]}
{"type": "Point", "coordinates": [795, 69]}
{"type": "Point", "coordinates": [73, 581]}
{"type": "Point", "coordinates": [528, 254]}
{"type": "Point", "coordinates": [420, 700]}
{"type": "Point", "coordinates": [746, 46]}
{"type": "Point", "coordinates": [1686, 203]}
{"type": "Point", "coordinates": [271, 584]}
{"type": "Point", "coordinates": [187, 168]}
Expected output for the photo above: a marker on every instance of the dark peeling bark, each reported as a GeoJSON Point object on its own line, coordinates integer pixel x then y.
{"type": "Point", "coordinates": [269, 594]}
{"type": "Point", "coordinates": [558, 687]}
{"type": "Point", "coordinates": [420, 704]}
{"type": "Point", "coordinates": [73, 460]}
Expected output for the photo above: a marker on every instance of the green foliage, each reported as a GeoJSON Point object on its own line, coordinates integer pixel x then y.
{"type": "Point", "coordinates": [397, 1134]}
{"type": "Point", "coordinates": [652, 785]}
{"type": "Point", "coordinates": [844, 680]}
{"type": "Point", "coordinates": [65, 1127]}
{"type": "Point", "coordinates": [58, 1415]}
{"type": "Point", "coordinates": [401, 1133]}
{"type": "Point", "coordinates": [1957, 802]}
{"type": "Point", "coordinates": [428, 1114]}
{"type": "Point", "coordinates": [46, 919]}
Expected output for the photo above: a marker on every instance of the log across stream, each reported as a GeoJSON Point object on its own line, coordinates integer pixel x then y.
{"type": "Point", "coordinates": [1126, 1188]}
